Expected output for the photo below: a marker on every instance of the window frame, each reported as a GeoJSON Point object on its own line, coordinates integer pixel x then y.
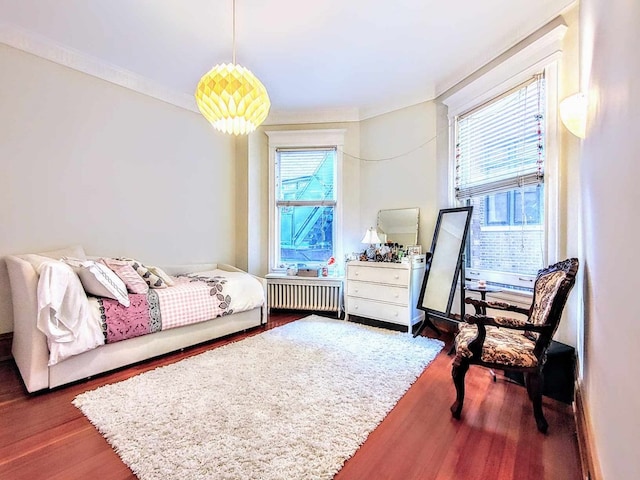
{"type": "Point", "coordinates": [516, 210]}
{"type": "Point", "coordinates": [304, 139]}
{"type": "Point", "coordinates": [489, 208]}
{"type": "Point", "coordinates": [489, 86]}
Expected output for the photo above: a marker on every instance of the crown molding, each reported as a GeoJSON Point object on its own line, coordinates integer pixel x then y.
{"type": "Point", "coordinates": [46, 48]}
{"type": "Point", "coordinates": [340, 115]}
{"type": "Point", "coordinates": [513, 66]}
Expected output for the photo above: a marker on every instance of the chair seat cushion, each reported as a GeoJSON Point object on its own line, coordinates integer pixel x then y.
{"type": "Point", "coordinates": [501, 346]}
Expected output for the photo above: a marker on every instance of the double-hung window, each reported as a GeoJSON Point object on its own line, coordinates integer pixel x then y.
{"type": "Point", "coordinates": [499, 169]}
{"type": "Point", "coordinates": [305, 204]}
{"type": "Point", "coordinates": [305, 198]}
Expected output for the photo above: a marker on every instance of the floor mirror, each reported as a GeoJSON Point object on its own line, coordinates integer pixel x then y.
{"type": "Point", "coordinates": [445, 266]}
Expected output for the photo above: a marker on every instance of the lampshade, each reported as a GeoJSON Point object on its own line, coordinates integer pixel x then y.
{"type": "Point", "coordinates": [573, 113]}
{"type": "Point", "coordinates": [232, 98]}
{"type": "Point", "coordinates": [371, 236]}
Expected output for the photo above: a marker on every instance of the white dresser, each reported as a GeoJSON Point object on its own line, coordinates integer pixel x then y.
{"type": "Point", "coordinates": [385, 291]}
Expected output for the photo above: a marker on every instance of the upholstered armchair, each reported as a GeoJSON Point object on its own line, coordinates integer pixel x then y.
{"type": "Point", "coordinates": [515, 344]}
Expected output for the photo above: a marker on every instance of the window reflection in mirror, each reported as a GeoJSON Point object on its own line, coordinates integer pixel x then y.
{"type": "Point", "coordinates": [399, 225]}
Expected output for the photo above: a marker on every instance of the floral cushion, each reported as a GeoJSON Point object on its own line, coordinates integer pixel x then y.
{"type": "Point", "coordinates": [501, 346]}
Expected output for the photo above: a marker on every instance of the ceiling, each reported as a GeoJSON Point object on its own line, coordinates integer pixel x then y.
{"type": "Point", "coordinates": [358, 57]}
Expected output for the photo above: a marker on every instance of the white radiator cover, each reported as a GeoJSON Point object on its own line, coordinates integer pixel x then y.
{"type": "Point", "coordinates": [322, 294]}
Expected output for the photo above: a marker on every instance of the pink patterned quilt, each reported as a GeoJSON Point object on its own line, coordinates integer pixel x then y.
{"type": "Point", "coordinates": [193, 299]}
{"type": "Point", "coordinates": [120, 322]}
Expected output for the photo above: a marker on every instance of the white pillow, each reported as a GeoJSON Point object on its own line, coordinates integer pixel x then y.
{"type": "Point", "coordinates": [98, 280]}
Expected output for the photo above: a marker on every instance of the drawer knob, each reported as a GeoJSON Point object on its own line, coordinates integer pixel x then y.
{"type": "Point", "coordinates": [357, 273]}
{"type": "Point", "coordinates": [356, 290]}
{"type": "Point", "coordinates": [356, 307]}
{"type": "Point", "coordinates": [396, 276]}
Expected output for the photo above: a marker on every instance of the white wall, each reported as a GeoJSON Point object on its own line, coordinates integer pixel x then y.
{"type": "Point", "coordinates": [610, 66]}
{"type": "Point", "coordinates": [398, 167]}
{"type": "Point", "coordinates": [569, 219]}
{"type": "Point", "coordinates": [85, 161]}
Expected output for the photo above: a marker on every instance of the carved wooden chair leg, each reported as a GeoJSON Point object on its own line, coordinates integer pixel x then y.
{"type": "Point", "coordinates": [458, 373]}
{"type": "Point", "coordinates": [534, 387]}
{"type": "Point", "coordinates": [527, 384]}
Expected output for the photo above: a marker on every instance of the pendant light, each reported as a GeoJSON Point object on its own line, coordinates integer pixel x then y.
{"type": "Point", "coordinates": [232, 98]}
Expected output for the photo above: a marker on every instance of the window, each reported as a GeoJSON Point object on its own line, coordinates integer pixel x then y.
{"type": "Point", "coordinates": [305, 204]}
{"type": "Point", "coordinates": [499, 169]}
{"type": "Point", "coordinates": [305, 169]}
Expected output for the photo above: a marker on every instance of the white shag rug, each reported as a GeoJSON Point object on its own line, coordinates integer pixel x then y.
{"type": "Point", "coordinates": [294, 402]}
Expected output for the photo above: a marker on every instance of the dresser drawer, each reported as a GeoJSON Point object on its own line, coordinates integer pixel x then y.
{"type": "Point", "coordinates": [376, 291]}
{"type": "Point", "coordinates": [391, 276]}
{"type": "Point", "coordinates": [386, 312]}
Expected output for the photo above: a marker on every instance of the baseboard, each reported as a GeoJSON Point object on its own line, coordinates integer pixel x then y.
{"type": "Point", "coordinates": [584, 431]}
{"type": "Point", "coordinates": [5, 346]}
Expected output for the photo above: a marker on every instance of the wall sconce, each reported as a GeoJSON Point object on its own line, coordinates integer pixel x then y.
{"type": "Point", "coordinates": [573, 113]}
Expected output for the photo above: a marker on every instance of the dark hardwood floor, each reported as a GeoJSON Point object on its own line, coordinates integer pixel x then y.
{"type": "Point", "coordinates": [43, 436]}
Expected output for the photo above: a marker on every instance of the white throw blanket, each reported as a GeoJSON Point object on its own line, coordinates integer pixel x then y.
{"type": "Point", "coordinates": [63, 312]}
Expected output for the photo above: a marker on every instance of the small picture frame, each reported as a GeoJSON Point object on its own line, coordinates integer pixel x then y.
{"type": "Point", "coordinates": [414, 250]}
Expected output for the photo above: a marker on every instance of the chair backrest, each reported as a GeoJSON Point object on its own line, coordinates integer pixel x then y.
{"type": "Point", "coordinates": [550, 294]}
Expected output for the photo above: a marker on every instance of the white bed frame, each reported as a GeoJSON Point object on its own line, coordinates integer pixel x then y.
{"type": "Point", "coordinates": [31, 353]}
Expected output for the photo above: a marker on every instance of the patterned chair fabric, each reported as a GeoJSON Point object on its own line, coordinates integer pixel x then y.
{"type": "Point", "coordinates": [546, 288]}
{"type": "Point", "coordinates": [501, 346]}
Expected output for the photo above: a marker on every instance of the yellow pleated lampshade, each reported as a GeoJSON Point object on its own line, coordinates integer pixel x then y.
{"type": "Point", "coordinates": [232, 99]}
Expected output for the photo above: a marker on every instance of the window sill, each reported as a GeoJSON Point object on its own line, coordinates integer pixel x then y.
{"type": "Point", "coordinates": [512, 228]}
{"type": "Point", "coordinates": [284, 276]}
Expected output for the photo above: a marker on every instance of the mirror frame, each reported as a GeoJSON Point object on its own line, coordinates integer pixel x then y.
{"type": "Point", "coordinates": [459, 266]}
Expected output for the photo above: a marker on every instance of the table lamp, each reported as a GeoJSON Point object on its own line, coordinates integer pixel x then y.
{"type": "Point", "coordinates": [371, 237]}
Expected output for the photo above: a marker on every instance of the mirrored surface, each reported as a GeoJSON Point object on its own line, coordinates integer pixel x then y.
{"type": "Point", "coordinates": [400, 225]}
{"type": "Point", "coordinates": [440, 279]}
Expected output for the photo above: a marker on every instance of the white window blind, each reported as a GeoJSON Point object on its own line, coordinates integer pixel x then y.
{"type": "Point", "coordinates": [499, 144]}
{"type": "Point", "coordinates": [305, 176]}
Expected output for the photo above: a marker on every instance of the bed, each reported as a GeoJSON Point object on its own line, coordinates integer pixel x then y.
{"type": "Point", "coordinates": [205, 301]}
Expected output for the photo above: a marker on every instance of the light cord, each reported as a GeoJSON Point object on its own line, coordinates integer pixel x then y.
{"type": "Point", "coordinates": [385, 159]}
{"type": "Point", "coordinates": [233, 57]}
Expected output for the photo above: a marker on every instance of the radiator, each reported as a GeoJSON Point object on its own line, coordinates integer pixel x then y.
{"type": "Point", "coordinates": [295, 294]}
